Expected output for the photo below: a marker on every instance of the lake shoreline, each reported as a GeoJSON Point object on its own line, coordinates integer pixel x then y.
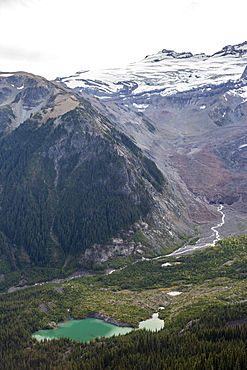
{"type": "Point", "coordinates": [94, 325]}
{"type": "Point", "coordinates": [108, 319]}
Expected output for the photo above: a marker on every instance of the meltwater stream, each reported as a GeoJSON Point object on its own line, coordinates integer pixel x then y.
{"type": "Point", "coordinates": [217, 234]}
{"type": "Point", "coordinates": [201, 244]}
{"type": "Point", "coordinates": [189, 249]}
{"type": "Point", "coordinates": [87, 329]}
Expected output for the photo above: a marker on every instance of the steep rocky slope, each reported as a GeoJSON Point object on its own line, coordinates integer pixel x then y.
{"type": "Point", "coordinates": [191, 120]}
{"type": "Point", "coordinates": [74, 190]}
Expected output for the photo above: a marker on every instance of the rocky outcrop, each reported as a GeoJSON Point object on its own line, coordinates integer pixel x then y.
{"type": "Point", "coordinates": [198, 115]}
{"type": "Point", "coordinates": [76, 189]}
{"type": "Point", "coordinates": [22, 95]}
{"type": "Point", "coordinates": [108, 319]}
{"type": "Point", "coordinates": [244, 75]}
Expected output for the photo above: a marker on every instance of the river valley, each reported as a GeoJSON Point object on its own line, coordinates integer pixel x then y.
{"type": "Point", "coordinates": [87, 329]}
{"type": "Point", "coordinates": [205, 241]}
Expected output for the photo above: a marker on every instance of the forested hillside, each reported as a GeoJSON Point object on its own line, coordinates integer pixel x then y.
{"type": "Point", "coordinates": [64, 189]}
{"type": "Point", "coordinates": [205, 326]}
{"type": "Point", "coordinates": [70, 183]}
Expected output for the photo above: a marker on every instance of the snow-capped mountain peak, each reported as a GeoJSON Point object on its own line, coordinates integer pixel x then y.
{"type": "Point", "coordinates": [174, 54]}
{"type": "Point", "coordinates": [166, 72]}
{"type": "Point", "coordinates": [192, 114]}
{"type": "Point", "coordinates": [234, 50]}
{"type": "Point", "coordinates": [171, 54]}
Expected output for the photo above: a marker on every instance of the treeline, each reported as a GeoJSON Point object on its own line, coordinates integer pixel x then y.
{"type": "Point", "coordinates": [149, 171]}
{"type": "Point", "coordinates": [64, 188]}
{"type": "Point", "coordinates": [211, 263]}
{"type": "Point", "coordinates": [200, 336]}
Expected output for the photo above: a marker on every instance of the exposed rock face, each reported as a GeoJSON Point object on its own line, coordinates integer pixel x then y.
{"type": "Point", "coordinates": [108, 319]}
{"type": "Point", "coordinates": [22, 95]}
{"type": "Point", "coordinates": [164, 73]}
{"type": "Point", "coordinates": [43, 307]}
{"type": "Point", "coordinates": [191, 119]}
{"type": "Point", "coordinates": [73, 187]}
{"type": "Point", "coordinates": [187, 113]}
{"type": "Point", "coordinates": [244, 75]}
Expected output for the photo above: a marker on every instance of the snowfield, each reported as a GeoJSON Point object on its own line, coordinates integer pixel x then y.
{"type": "Point", "coordinates": [166, 73]}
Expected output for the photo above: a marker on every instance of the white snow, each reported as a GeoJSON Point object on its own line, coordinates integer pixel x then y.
{"type": "Point", "coordinates": [18, 88]}
{"type": "Point", "coordinates": [242, 146]}
{"type": "Point", "coordinates": [166, 76]}
{"type": "Point", "coordinates": [242, 92]}
{"type": "Point", "coordinates": [110, 272]}
{"type": "Point", "coordinates": [5, 74]}
{"type": "Point", "coordinates": [140, 107]}
{"type": "Point", "coordinates": [174, 293]}
{"type": "Point", "coordinates": [202, 106]}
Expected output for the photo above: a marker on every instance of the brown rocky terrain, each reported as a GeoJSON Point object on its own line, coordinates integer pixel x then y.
{"type": "Point", "coordinates": [199, 143]}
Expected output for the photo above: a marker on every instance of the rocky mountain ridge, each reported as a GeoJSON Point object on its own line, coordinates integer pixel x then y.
{"type": "Point", "coordinates": [191, 120]}
{"type": "Point", "coordinates": [165, 73]}
{"type": "Point", "coordinates": [78, 179]}
{"type": "Point", "coordinates": [74, 189]}
{"type": "Point", "coordinates": [22, 95]}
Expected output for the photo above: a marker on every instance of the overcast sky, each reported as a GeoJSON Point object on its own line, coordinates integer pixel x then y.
{"type": "Point", "coordinates": [57, 38]}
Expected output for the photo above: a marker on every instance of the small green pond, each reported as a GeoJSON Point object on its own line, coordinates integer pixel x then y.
{"type": "Point", "coordinates": [86, 329]}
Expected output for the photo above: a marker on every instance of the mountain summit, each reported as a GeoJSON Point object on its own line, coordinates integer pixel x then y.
{"type": "Point", "coordinates": [165, 73]}
{"type": "Point", "coordinates": [74, 190]}
{"type": "Point", "coordinates": [197, 106]}
{"type": "Point", "coordinates": [236, 50]}
{"type": "Point", "coordinates": [122, 161]}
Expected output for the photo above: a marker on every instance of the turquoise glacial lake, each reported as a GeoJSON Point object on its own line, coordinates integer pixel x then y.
{"type": "Point", "coordinates": [86, 329]}
{"type": "Point", "coordinates": [82, 330]}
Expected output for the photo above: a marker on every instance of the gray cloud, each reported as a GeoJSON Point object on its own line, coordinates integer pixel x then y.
{"type": "Point", "coordinates": [20, 54]}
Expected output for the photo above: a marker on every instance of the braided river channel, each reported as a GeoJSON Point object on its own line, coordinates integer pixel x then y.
{"type": "Point", "coordinates": [87, 329]}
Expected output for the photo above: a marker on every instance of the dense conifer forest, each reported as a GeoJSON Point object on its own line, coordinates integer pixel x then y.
{"type": "Point", "coordinates": [70, 181]}
{"type": "Point", "coordinates": [64, 187]}
{"type": "Point", "coordinates": [205, 327]}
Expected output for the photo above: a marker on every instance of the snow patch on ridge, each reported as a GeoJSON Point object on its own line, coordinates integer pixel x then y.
{"type": "Point", "coordinates": [242, 146]}
{"type": "Point", "coordinates": [242, 92]}
{"type": "Point", "coordinates": [140, 107]}
{"type": "Point", "coordinates": [164, 73]}
{"type": "Point", "coordinates": [6, 74]}
{"type": "Point", "coordinates": [174, 293]}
